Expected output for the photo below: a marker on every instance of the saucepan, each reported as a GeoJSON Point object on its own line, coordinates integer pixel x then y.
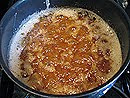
{"type": "Point", "coordinates": [111, 12]}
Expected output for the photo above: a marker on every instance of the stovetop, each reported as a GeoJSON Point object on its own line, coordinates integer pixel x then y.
{"type": "Point", "coordinates": [121, 89]}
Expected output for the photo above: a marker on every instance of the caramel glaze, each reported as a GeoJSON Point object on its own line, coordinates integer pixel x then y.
{"type": "Point", "coordinates": [58, 53]}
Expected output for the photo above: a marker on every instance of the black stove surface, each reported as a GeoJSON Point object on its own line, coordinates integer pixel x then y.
{"type": "Point", "coordinates": [121, 89]}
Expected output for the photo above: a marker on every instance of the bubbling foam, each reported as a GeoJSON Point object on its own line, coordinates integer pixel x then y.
{"type": "Point", "coordinates": [105, 40]}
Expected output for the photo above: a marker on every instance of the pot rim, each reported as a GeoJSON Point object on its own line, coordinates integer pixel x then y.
{"type": "Point", "coordinates": [38, 93]}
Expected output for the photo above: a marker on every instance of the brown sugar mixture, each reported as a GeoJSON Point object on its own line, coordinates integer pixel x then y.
{"type": "Point", "coordinates": [69, 51]}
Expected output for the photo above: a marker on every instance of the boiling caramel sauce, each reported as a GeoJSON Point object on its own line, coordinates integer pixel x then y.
{"type": "Point", "coordinates": [68, 51]}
